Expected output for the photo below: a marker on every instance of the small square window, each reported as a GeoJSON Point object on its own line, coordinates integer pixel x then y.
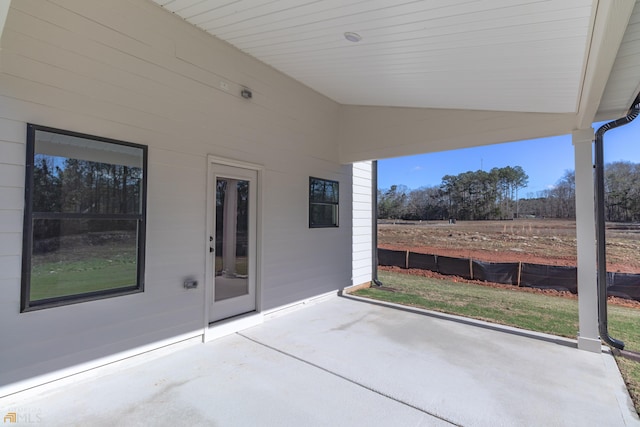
{"type": "Point", "coordinates": [84, 218]}
{"type": "Point", "coordinates": [323, 203]}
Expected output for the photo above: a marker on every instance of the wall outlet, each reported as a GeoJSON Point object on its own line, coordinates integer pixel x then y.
{"type": "Point", "coordinates": [190, 284]}
{"type": "Point", "coordinates": [224, 86]}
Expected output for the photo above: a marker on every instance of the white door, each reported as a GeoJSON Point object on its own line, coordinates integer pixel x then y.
{"type": "Point", "coordinates": [232, 241]}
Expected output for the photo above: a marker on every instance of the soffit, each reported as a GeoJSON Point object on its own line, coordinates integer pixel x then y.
{"type": "Point", "coordinates": [624, 81]}
{"type": "Point", "coordinates": [506, 55]}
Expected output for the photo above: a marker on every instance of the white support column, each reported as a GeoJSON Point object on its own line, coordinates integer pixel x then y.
{"type": "Point", "coordinates": [588, 336]}
{"type": "Point", "coordinates": [362, 254]}
{"type": "Point", "coordinates": [4, 11]}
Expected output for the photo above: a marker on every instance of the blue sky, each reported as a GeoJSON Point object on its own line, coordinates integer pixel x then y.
{"type": "Point", "coordinates": [544, 160]}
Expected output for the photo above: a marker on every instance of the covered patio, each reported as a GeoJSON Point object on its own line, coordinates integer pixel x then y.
{"type": "Point", "coordinates": [348, 361]}
{"type": "Point", "coordinates": [279, 94]}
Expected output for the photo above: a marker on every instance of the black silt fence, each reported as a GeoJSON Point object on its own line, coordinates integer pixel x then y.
{"type": "Point", "coordinates": [423, 261]}
{"type": "Point", "coordinates": [624, 285]}
{"type": "Point", "coordinates": [460, 267]}
{"type": "Point", "coordinates": [390, 258]}
{"type": "Point", "coordinates": [505, 273]}
{"type": "Point", "coordinates": [549, 277]}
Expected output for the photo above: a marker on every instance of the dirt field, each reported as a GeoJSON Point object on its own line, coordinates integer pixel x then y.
{"type": "Point", "coordinates": [539, 241]}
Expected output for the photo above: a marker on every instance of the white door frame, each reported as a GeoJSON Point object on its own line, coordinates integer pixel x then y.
{"type": "Point", "coordinates": [223, 328]}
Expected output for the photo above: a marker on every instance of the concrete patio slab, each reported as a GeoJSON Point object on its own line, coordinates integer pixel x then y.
{"type": "Point", "coordinates": [348, 362]}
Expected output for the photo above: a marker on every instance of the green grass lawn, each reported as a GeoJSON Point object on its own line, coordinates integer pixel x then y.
{"type": "Point", "coordinates": [537, 312]}
{"type": "Point", "coordinates": [241, 265]}
{"type": "Point", "coordinates": [56, 279]}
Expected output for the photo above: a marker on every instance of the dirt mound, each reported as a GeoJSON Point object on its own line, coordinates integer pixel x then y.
{"type": "Point", "coordinates": [486, 256]}
{"type": "Point", "coordinates": [539, 241]}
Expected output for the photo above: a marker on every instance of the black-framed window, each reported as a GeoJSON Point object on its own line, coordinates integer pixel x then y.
{"type": "Point", "coordinates": [84, 218]}
{"type": "Point", "coordinates": [323, 202]}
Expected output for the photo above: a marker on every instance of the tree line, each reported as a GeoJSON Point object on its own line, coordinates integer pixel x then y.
{"type": "Point", "coordinates": [81, 186]}
{"type": "Point", "coordinates": [64, 187]}
{"type": "Point", "coordinates": [494, 194]}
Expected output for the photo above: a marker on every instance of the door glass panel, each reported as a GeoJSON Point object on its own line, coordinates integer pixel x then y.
{"type": "Point", "coordinates": [232, 242]}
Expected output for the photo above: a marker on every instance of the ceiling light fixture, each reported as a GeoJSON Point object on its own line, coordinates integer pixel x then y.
{"type": "Point", "coordinates": [352, 37]}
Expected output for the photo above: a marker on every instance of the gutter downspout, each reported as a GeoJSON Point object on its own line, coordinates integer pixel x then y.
{"type": "Point", "coordinates": [600, 223]}
{"type": "Point", "coordinates": [374, 223]}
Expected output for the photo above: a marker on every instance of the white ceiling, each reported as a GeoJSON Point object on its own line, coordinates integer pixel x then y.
{"type": "Point", "coordinates": [622, 86]}
{"type": "Point", "coordinates": [507, 55]}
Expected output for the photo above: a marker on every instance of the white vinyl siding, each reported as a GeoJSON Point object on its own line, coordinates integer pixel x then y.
{"type": "Point", "coordinates": [128, 70]}
{"type": "Point", "coordinates": [362, 223]}
{"type": "Point", "coordinates": [12, 156]}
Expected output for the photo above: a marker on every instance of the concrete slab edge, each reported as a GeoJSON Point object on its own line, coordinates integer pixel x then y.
{"type": "Point", "coordinates": [627, 408]}
{"type": "Point", "coordinates": [568, 342]}
{"type": "Point", "coordinates": [355, 288]}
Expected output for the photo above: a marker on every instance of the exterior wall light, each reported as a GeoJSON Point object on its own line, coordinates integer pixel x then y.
{"type": "Point", "coordinates": [352, 37]}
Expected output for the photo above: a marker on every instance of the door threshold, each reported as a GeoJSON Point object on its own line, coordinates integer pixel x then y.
{"type": "Point", "coordinates": [231, 325]}
{"type": "Point", "coordinates": [232, 318]}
